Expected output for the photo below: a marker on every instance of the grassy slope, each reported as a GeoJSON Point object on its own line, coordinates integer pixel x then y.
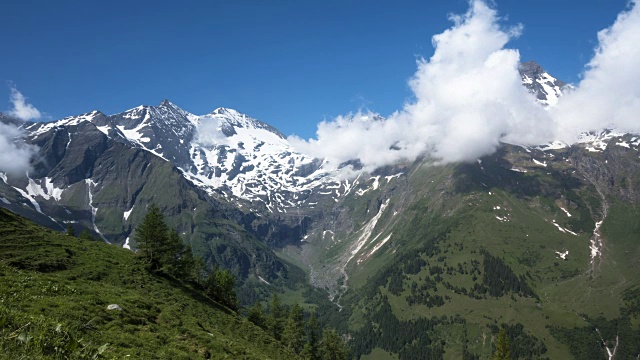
{"type": "Point", "coordinates": [60, 279]}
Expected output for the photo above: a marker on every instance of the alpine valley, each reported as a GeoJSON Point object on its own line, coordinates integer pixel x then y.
{"type": "Point", "coordinates": [412, 261]}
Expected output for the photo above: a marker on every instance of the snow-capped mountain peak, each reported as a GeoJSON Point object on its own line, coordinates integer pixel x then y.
{"type": "Point", "coordinates": [547, 88]}
{"type": "Point", "coordinates": [231, 119]}
{"type": "Point", "coordinates": [238, 156]}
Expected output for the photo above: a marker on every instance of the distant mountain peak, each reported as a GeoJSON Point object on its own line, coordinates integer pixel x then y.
{"type": "Point", "coordinates": [234, 118]}
{"type": "Point", "coordinates": [531, 68]}
{"type": "Point", "coordinates": [166, 104]}
{"type": "Point", "coordinates": [547, 88]}
{"type": "Point", "coordinates": [226, 111]}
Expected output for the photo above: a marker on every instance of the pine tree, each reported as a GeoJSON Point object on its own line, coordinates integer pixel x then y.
{"type": "Point", "coordinates": [276, 315]}
{"type": "Point", "coordinates": [226, 286]}
{"type": "Point", "coordinates": [70, 230]}
{"type": "Point", "coordinates": [152, 238]}
{"type": "Point", "coordinates": [293, 333]}
{"type": "Point", "coordinates": [86, 235]}
{"type": "Point", "coordinates": [332, 346]}
{"type": "Point", "coordinates": [171, 258]}
{"type": "Point", "coordinates": [503, 346]}
{"type": "Point", "coordinates": [210, 286]}
{"type": "Point", "coordinates": [200, 270]}
{"type": "Point", "coordinates": [310, 350]}
{"type": "Point", "coordinates": [188, 267]}
{"type": "Point", "coordinates": [256, 315]}
{"type": "Point", "coordinates": [221, 286]}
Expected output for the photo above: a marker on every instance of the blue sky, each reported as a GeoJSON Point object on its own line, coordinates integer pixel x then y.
{"type": "Point", "coordinates": [288, 63]}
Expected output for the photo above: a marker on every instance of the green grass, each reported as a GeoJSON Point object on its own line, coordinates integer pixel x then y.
{"type": "Point", "coordinates": [51, 281]}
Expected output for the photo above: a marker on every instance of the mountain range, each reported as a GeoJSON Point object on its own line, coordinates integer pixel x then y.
{"type": "Point", "coordinates": [542, 239]}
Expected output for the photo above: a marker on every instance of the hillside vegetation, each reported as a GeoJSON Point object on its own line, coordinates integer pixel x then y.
{"type": "Point", "coordinates": [441, 260]}
{"type": "Point", "coordinates": [56, 291]}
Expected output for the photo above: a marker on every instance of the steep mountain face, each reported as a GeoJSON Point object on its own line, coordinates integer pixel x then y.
{"type": "Point", "coordinates": [524, 236]}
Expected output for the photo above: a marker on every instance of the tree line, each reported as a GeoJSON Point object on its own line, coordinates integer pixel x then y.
{"type": "Point", "coordinates": [304, 337]}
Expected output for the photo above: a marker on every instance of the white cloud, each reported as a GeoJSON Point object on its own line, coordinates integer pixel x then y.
{"type": "Point", "coordinates": [15, 154]}
{"type": "Point", "coordinates": [21, 108]}
{"type": "Point", "coordinates": [209, 132]}
{"type": "Point", "coordinates": [609, 93]}
{"type": "Point", "coordinates": [469, 97]}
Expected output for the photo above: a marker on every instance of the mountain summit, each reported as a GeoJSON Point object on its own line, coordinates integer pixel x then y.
{"type": "Point", "coordinates": [547, 88]}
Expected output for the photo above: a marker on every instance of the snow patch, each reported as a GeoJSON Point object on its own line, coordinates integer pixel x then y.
{"type": "Point", "coordinates": [378, 246]}
{"type": "Point", "coordinates": [47, 192]}
{"type": "Point", "coordinates": [33, 201]}
{"type": "Point", "coordinates": [565, 211]}
{"type": "Point", "coordinates": [366, 231]}
{"type": "Point", "coordinates": [564, 230]}
{"type": "Point", "coordinates": [127, 213]}
{"type": "Point", "coordinates": [389, 178]}
{"type": "Point", "coordinates": [540, 163]}
{"type": "Point", "coordinates": [103, 129]}
{"type": "Point", "coordinates": [598, 141]}
{"type": "Point", "coordinates": [554, 145]}
{"type": "Point", "coordinates": [333, 235]}
{"type": "Point", "coordinates": [594, 245]}
{"type": "Point", "coordinates": [94, 210]}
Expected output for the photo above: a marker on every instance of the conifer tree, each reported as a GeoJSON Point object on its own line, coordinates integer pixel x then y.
{"type": "Point", "coordinates": [293, 333]}
{"type": "Point", "coordinates": [332, 346]}
{"type": "Point", "coordinates": [70, 231]}
{"type": "Point", "coordinates": [152, 238]}
{"type": "Point", "coordinates": [310, 350]}
{"type": "Point", "coordinates": [86, 235]}
{"type": "Point", "coordinates": [188, 267]}
{"type": "Point", "coordinates": [503, 346]}
{"type": "Point", "coordinates": [256, 315]}
{"type": "Point", "coordinates": [210, 286]}
{"type": "Point", "coordinates": [226, 287]}
{"type": "Point", "coordinates": [276, 315]}
{"type": "Point", "coordinates": [171, 258]}
{"type": "Point", "coordinates": [221, 286]}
